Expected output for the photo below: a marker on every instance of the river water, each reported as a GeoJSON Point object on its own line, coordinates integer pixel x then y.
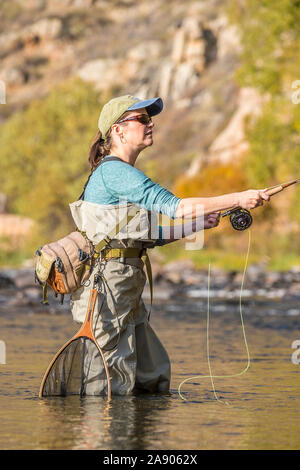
{"type": "Point", "coordinates": [259, 409]}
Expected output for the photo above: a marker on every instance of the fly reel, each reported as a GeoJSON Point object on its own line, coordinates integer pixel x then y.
{"type": "Point", "coordinates": [240, 219]}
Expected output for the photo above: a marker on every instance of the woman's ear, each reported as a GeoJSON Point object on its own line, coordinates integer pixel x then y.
{"type": "Point", "coordinates": [118, 132]}
{"type": "Point", "coordinates": [116, 129]}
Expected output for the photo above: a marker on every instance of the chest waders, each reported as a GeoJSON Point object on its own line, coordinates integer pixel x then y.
{"type": "Point", "coordinates": [136, 359]}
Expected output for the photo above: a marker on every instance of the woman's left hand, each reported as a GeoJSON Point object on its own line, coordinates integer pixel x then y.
{"type": "Point", "coordinates": [211, 220]}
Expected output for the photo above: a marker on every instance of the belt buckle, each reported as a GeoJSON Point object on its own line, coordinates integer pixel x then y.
{"type": "Point", "coordinates": [107, 255]}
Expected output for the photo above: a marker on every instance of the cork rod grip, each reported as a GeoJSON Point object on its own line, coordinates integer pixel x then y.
{"type": "Point", "coordinates": [271, 192]}
{"type": "Point", "coordinates": [280, 187]}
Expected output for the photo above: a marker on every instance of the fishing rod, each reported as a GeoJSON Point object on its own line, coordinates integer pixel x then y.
{"type": "Point", "coordinates": [241, 219]}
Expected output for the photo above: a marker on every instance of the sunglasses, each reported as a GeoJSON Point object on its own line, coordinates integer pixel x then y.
{"type": "Point", "coordinates": [142, 118]}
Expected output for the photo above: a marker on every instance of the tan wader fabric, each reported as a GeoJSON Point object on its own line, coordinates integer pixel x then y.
{"type": "Point", "coordinates": [97, 220]}
{"type": "Point", "coordinates": [136, 360]}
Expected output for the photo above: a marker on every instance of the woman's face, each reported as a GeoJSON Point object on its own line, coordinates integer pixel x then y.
{"type": "Point", "coordinates": [134, 133]}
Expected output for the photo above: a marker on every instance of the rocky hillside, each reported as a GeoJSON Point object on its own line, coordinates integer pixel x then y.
{"type": "Point", "coordinates": [188, 53]}
{"type": "Point", "coordinates": [185, 52]}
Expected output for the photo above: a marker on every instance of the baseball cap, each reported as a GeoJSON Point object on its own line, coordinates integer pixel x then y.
{"type": "Point", "coordinates": [116, 107]}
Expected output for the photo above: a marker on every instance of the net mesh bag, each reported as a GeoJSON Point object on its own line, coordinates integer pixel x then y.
{"type": "Point", "coordinates": [79, 367]}
{"type": "Point", "coordinates": [78, 370]}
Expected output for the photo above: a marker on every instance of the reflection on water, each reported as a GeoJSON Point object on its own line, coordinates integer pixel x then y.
{"type": "Point", "coordinates": [93, 423]}
{"type": "Point", "coordinates": [263, 411]}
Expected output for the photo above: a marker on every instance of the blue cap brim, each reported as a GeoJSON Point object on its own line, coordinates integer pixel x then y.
{"type": "Point", "coordinates": [153, 106]}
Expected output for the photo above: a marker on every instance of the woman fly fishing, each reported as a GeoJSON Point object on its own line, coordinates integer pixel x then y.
{"type": "Point", "coordinates": [136, 359]}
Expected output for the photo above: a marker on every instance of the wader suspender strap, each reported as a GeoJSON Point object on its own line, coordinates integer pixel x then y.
{"type": "Point", "coordinates": [120, 225]}
{"type": "Point", "coordinates": [108, 159]}
{"type": "Point", "coordinates": [101, 245]}
{"type": "Point", "coordinates": [147, 263]}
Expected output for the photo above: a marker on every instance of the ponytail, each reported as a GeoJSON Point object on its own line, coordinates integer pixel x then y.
{"type": "Point", "coordinates": [99, 148]}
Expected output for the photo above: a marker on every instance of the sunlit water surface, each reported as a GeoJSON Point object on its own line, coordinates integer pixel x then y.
{"type": "Point", "coordinates": [263, 410]}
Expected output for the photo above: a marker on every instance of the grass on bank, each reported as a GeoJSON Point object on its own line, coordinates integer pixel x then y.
{"type": "Point", "coordinates": [227, 260]}
{"type": "Point", "coordinates": [13, 259]}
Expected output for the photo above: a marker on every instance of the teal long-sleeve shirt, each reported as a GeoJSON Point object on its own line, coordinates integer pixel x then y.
{"type": "Point", "coordinates": [115, 181]}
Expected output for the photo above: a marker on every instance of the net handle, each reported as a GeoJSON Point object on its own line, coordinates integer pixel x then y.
{"type": "Point", "coordinates": [87, 330]}
{"type": "Point", "coordinates": [87, 327]}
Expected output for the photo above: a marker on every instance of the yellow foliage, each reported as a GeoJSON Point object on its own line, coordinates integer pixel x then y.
{"type": "Point", "coordinates": [44, 153]}
{"type": "Point", "coordinates": [213, 180]}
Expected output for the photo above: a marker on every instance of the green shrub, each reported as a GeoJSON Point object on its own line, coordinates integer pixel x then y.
{"type": "Point", "coordinates": [44, 154]}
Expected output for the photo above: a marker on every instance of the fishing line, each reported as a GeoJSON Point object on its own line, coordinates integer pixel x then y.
{"type": "Point", "coordinates": [211, 376]}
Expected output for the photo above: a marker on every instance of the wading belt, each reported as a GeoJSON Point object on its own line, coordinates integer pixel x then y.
{"type": "Point", "coordinates": [123, 253]}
